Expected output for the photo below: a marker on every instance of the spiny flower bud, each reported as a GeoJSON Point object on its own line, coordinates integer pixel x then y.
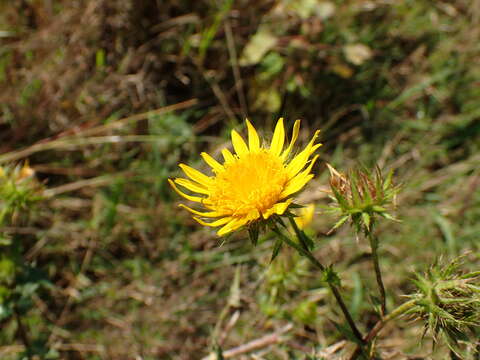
{"type": "Point", "coordinates": [18, 188]}
{"type": "Point", "coordinates": [448, 301]}
{"type": "Point", "coordinates": [360, 195]}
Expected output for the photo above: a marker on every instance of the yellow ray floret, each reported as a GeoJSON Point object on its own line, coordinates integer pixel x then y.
{"type": "Point", "coordinates": [251, 185]}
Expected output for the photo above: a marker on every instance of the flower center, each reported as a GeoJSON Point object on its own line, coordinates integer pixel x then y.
{"type": "Point", "coordinates": [249, 186]}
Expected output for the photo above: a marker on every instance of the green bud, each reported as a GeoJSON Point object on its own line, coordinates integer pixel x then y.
{"type": "Point", "coordinates": [360, 196]}
{"type": "Point", "coordinates": [448, 301]}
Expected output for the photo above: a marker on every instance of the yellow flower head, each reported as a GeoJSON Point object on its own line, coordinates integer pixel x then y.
{"type": "Point", "coordinates": [251, 185]}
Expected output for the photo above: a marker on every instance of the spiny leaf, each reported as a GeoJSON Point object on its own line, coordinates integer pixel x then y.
{"type": "Point", "coordinates": [342, 201]}
{"type": "Point", "coordinates": [276, 249]}
{"type": "Point", "coordinates": [253, 233]}
{"type": "Point", "coordinates": [304, 240]}
{"type": "Point", "coordinates": [338, 224]}
{"type": "Point", "coordinates": [330, 276]}
{"type": "Point", "coordinates": [366, 220]}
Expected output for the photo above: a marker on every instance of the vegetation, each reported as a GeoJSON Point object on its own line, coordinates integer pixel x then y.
{"type": "Point", "coordinates": [99, 102]}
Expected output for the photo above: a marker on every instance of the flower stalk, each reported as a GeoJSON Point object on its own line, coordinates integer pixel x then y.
{"type": "Point", "coordinates": [362, 197]}
{"type": "Point", "coordinates": [305, 251]}
{"type": "Point", "coordinates": [378, 273]}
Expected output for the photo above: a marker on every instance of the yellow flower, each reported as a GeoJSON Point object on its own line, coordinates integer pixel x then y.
{"type": "Point", "coordinates": [251, 185]}
{"type": "Point", "coordinates": [306, 216]}
{"type": "Point", "coordinates": [25, 172]}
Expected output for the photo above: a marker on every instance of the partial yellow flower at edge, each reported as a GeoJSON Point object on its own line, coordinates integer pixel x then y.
{"type": "Point", "coordinates": [306, 216]}
{"type": "Point", "coordinates": [251, 185]}
{"type": "Point", "coordinates": [25, 172]}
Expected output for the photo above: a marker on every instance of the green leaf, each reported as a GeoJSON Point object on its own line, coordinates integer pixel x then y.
{"type": "Point", "coordinates": [253, 233]}
{"type": "Point", "coordinates": [388, 180]}
{"type": "Point", "coordinates": [258, 46]}
{"type": "Point", "coordinates": [279, 220]}
{"type": "Point", "coordinates": [100, 59]}
{"type": "Point", "coordinates": [276, 249]}
{"type": "Point", "coordinates": [5, 240]}
{"type": "Point", "coordinates": [357, 296]}
{"type": "Point", "coordinates": [446, 228]}
{"type": "Point", "coordinates": [304, 240]}
{"type": "Point", "coordinates": [366, 220]}
{"type": "Point", "coordinates": [342, 201]}
{"type": "Point", "coordinates": [387, 216]}
{"type": "Point", "coordinates": [305, 312]}
{"type": "Point", "coordinates": [209, 34]}
{"type": "Point", "coordinates": [339, 223]}
{"type": "Point", "coordinates": [5, 310]}
{"type": "Point", "coordinates": [354, 184]}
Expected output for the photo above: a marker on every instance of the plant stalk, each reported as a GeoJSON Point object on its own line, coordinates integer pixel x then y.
{"type": "Point", "coordinates": [378, 274]}
{"type": "Point", "coordinates": [372, 334]}
{"type": "Point", "coordinates": [333, 287]}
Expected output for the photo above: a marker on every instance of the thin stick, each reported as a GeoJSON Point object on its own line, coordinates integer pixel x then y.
{"type": "Point", "coordinates": [262, 342]}
{"type": "Point", "coordinates": [378, 274]}
{"type": "Point", "coordinates": [79, 138]}
{"type": "Point", "coordinates": [93, 182]}
{"type": "Point", "coordinates": [236, 70]}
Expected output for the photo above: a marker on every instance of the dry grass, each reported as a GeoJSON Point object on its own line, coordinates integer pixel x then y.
{"type": "Point", "coordinates": [133, 276]}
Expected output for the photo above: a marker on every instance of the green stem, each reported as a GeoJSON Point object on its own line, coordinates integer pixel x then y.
{"type": "Point", "coordinates": [374, 245]}
{"type": "Point", "coordinates": [402, 309]}
{"type": "Point", "coordinates": [332, 286]}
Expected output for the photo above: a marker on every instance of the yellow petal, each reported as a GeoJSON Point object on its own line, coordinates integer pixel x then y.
{"type": "Point", "coordinates": [228, 156]}
{"type": "Point", "coordinates": [278, 138]}
{"type": "Point", "coordinates": [254, 214]}
{"type": "Point", "coordinates": [278, 208]}
{"type": "Point", "coordinates": [296, 130]}
{"type": "Point", "coordinates": [209, 214]}
{"type": "Point", "coordinates": [282, 206]}
{"type": "Point", "coordinates": [218, 222]}
{"type": "Point", "coordinates": [239, 144]}
{"type": "Point", "coordinates": [214, 164]}
{"type": "Point", "coordinates": [232, 225]}
{"type": "Point", "coordinates": [195, 175]}
{"type": "Point", "coordinates": [310, 166]}
{"type": "Point", "coordinates": [188, 197]}
{"type": "Point", "coordinates": [296, 185]}
{"type": "Point", "coordinates": [299, 161]}
{"type": "Point", "coordinates": [192, 186]}
{"type": "Point", "coordinates": [253, 139]}
{"type": "Point", "coordinates": [299, 181]}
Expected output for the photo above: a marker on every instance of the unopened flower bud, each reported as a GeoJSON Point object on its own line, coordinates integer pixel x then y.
{"type": "Point", "coordinates": [360, 195]}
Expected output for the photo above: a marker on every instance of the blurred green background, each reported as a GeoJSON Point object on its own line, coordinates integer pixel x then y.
{"type": "Point", "coordinates": [84, 87]}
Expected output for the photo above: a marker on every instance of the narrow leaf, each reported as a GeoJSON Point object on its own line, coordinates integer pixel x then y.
{"type": "Point", "coordinates": [276, 249]}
